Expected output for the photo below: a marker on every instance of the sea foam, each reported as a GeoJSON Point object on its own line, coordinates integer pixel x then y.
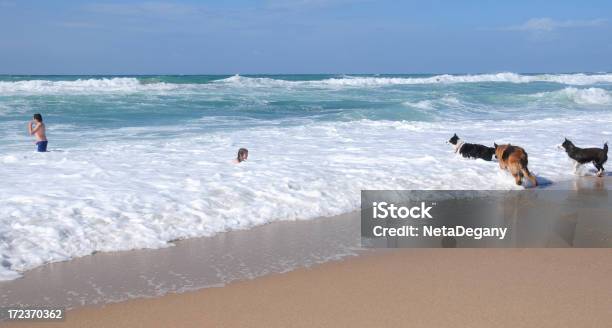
{"type": "Point", "coordinates": [590, 96]}
{"type": "Point", "coordinates": [580, 96]}
{"type": "Point", "coordinates": [82, 86]}
{"type": "Point", "coordinates": [371, 81]}
{"type": "Point", "coordinates": [143, 193]}
{"type": "Point", "coordinates": [133, 84]}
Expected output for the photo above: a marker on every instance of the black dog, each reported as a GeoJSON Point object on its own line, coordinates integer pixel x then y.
{"type": "Point", "coordinates": [584, 155]}
{"type": "Point", "coordinates": [472, 150]}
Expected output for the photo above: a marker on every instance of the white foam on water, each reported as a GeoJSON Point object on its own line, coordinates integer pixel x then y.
{"type": "Point", "coordinates": [114, 194]}
{"type": "Point", "coordinates": [422, 104]}
{"type": "Point", "coordinates": [83, 86]}
{"type": "Point", "coordinates": [369, 81]}
{"type": "Point", "coordinates": [133, 85]}
{"type": "Point", "coordinates": [588, 96]}
{"type": "Point", "coordinates": [8, 274]}
{"type": "Point", "coordinates": [431, 104]}
{"type": "Point", "coordinates": [9, 159]}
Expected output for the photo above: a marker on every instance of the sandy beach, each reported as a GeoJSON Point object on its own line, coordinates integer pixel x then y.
{"type": "Point", "coordinates": [415, 288]}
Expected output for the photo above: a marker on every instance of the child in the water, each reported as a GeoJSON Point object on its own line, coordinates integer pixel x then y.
{"type": "Point", "coordinates": [242, 156]}
{"type": "Point", "coordinates": [36, 127]}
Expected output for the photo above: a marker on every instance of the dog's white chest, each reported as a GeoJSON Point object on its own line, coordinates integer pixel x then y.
{"type": "Point", "coordinates": [459, 145]}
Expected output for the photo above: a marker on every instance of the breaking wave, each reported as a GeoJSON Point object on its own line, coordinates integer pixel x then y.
{"type": "Point", "coordinates": [588, 96]}
{"type": "Point", "coordinates": [134, 84]}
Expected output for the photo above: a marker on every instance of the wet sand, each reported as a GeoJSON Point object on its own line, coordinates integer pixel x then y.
{"type": "Point", "coordinates": [189, 265]}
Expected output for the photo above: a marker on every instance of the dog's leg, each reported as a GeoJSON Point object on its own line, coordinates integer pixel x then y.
{"type": "Point", "coordinates": [518, 179]}
{"type": "Point", "coordinates": [516, 173]}
{"type": "Point", "coordinates": [531, 177]}
{"type": "Point", "coordinates": [576, 166]}
{"type": "Point", "coordinates": [600, 169]}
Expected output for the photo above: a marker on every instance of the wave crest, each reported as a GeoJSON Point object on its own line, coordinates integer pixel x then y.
{"type": "Point", "coordinates": [588, 96]}
{"type": "Point", "coordinates": [116, 84]}
{"type": "Point", "coordinates": [371, 81]}
{"type": "Point", "coordinates": [133, 84]}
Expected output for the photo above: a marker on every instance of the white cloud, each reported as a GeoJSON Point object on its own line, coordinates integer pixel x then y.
{"type": "Point", "coordinates": [546, 24]}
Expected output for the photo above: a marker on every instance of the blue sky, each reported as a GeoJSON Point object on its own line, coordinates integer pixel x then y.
{"type": "Point", "coordinates": [303, 36]}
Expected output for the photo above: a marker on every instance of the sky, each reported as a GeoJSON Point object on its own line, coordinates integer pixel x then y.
{"type": "Point", "coordinates": [304, 36]}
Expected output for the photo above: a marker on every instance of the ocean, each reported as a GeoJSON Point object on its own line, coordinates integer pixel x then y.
{"type": "Point", "coordinates": [140, 161]}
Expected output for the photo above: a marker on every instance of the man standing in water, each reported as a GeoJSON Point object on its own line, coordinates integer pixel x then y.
{"type": "Point", "coordinates": [36, 127]}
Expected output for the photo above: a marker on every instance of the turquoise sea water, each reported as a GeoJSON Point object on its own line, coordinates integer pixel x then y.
{"type": "Point", "coordinates": [232, 102]}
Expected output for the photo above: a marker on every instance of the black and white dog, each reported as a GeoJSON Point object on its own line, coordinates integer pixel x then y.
{"type": "Point", "coordinates": [581, 156]}
{"type": "Point", "coordinates": [469, 150]}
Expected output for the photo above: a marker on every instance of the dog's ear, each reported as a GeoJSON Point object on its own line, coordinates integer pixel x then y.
{"type": "Point", "coordinates": [455, 135]}
{"type": "Point", "coordinates": [495, 145]}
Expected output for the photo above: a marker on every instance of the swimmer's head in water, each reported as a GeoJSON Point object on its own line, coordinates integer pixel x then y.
{"type": "Point", "coordinates": [37, 117]}
{"type": "Point", "coordinates": [243, 154]}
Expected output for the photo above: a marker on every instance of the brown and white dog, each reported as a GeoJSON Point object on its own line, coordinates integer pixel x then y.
{"type": "Point", "coordinates": [514, 159]}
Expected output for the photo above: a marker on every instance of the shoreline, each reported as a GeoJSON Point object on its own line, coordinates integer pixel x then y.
{"type": "Point", "coordinates": [187, 265]}
{"type": "Point", "coordinates": [231, 258]}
